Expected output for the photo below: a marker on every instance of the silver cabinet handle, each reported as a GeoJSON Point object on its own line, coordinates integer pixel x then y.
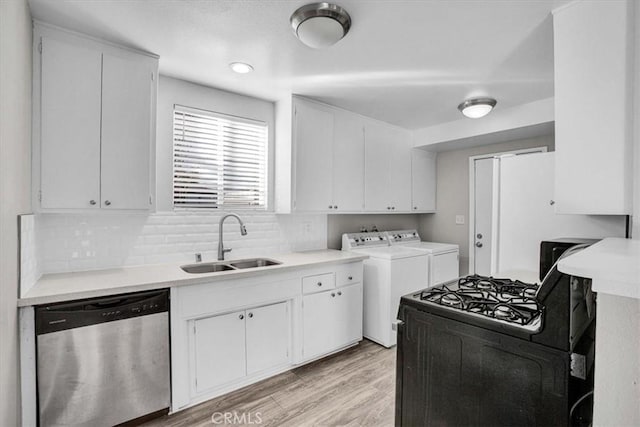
{"type": "Point", "coordinates": [393, 208]}
{"type": "Point", "coordinates": [92, 202]}
{"type": "Point", "coordinates": [350, 277]}
{"type": "Point", "coordinates": [478, 244]}
{"type": "Point", "coordinates": [552, 202]}
{"type": "Point", "coordinates": [388, 207]}
{"type": "Point", "coordinates": [250, 315]}
{"type": "Point", "coordinates": [241, 317]}
{"type": "Point", "coordinates": [330, 207]}
{"type": "Point", "coordinates": [479, 235]}
{"type": "Point", "coordinates": [333, 294]}
{"type": "Point", "coordinates": [335, 206]}
{"type": "Point", "coordinates": [339, 293]}
{"type": "Point", "coordinates": [415, 207]}
{"type": "Point", "coordinates": [107, 203]}
{"type": "Point", "coordinates": [319, 283]}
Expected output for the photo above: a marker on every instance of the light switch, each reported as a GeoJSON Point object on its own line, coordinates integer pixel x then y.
{"type": "Point", "coordinates": [459, 219]}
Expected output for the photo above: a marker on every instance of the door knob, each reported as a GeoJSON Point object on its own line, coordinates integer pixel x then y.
{"type": "Point", "coordinates": [479, 244]}
{"type": "Point", "coordinates": [479, 236]}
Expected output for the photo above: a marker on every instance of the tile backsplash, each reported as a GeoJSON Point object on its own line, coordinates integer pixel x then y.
{"type": "Point", "coordinates": [77, 242]}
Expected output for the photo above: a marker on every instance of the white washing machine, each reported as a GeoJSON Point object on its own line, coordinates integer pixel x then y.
{"type": "Point", "coordinates": [389, 273]}
{"type": "Point", "coordinates": [444, 258]}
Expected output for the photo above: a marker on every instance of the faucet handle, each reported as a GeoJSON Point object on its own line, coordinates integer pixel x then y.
{"type": "Point", "coordinates": [224, 250]}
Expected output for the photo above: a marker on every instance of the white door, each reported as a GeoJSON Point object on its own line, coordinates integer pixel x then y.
{"type": "Point", "coordinates": [484, 214]}
{"type": "Point", "coordinates": [126, 132]}
{"type": "Point", "coordinates": [399, 158]}
{"type": "Point", "coordinates": [377, 139]}
{"type": "Point", "coordinates": [423, 181]}
{"type": "Point", "coordinates": [348, 316]}
{"type": "Point", "coordinates": [319, 323]}
{"type": "Point", "coordinates": [70, 126]}
{"type": "Point", "coordinates": [267, 337]}
{"type": "Point", "coordinates": [219, 350]}
{"type": "Point", "coordinates": [313, 136]}
{"type": "Point", "coordinates": [348, 163]}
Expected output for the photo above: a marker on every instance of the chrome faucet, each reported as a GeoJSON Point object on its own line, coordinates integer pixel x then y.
{"type": "Point", "coordinates": [243, 231]}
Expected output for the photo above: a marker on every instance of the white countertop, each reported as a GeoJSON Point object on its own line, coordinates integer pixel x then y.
{"type": "Point", "coordinates": [51, 288]}
{"type": "Point", "coordinates": [613, 264]}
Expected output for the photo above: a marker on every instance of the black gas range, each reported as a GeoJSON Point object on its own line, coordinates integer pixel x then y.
{"type": "Point", "coordinates": [495, 351]}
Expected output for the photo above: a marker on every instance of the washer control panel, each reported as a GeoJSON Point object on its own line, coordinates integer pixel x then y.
{"type": "Point", "coordinates": [364, 240]}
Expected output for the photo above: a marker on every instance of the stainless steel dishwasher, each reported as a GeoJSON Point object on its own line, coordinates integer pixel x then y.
{"type": "Point", "coordinates": [103, 361]}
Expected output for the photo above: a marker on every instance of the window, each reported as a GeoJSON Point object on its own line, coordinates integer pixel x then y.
{"type": "Point", "coordinates": [219, 161]}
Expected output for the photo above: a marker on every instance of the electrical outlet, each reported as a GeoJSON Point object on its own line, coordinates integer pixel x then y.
{"type": "Point", "coordinates": [307, 227]}
{"type": "Point", "coordinates": [459, 219]}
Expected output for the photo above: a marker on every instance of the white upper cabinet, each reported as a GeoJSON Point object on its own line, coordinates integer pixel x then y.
{"type": "Point", "coordinates": [348, 162]}
{"type": "Point", "coordinates": [423, 181]}
{"type": "Point", "coordinates": [70, 126]}
{"type": "Point", "coordinates": [387, 168]}
{"type": "Point", "coordinates": [313, 136]}
{"type": "Point", "coordinates": [593, 107]}
{"type": "Point", "coordinates": [94, 124]}
{"type": "Point", "coordinates": [127, 94]}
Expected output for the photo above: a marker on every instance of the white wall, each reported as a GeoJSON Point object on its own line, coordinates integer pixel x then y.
{"type": "Point", "coordinates": [173, 91]}
{"type": "Point", "coordinates": [15, 172]}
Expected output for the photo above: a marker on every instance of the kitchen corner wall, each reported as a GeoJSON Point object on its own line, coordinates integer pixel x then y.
{"type": "Point", "coordinates": [452, 193]}
{"type": "Point", "coordinates": [15, 182]}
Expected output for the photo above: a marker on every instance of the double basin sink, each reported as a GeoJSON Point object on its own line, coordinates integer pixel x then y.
{"type": "Point", "coordinates": [218, 266]}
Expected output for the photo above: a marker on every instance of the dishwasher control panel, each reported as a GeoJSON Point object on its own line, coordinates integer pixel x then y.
{"type": "Point", "coordinates": [74, 314]}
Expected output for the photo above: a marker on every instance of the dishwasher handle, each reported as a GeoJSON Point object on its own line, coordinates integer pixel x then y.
{"type": "Point", "coordinates": [76, 314]}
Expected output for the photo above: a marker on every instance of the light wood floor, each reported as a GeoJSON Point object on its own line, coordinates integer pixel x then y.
{"type": "Point", "coordinates": [353, 388]}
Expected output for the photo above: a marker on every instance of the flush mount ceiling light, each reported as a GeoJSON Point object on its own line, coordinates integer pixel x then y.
{"type": "Point", "coordinates": [241, 67]}
{"type": "Point", "coordinates": [475, 108]}
{"type": "Point", "coordinates": [320, 25]}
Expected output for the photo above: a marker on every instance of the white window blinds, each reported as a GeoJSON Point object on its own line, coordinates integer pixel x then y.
{"type": "Point", "coordinates": [219, 161]}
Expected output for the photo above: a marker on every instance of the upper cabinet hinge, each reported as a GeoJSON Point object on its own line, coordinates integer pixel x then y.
{"type": "Point", "coordinates": [152, 76]}
{"type": "Point", "coordinates": [150, 202]}
{"type": "Point", "coordinates": [39, 195]}
{"type": "Point", "coordinates": [40, 46]}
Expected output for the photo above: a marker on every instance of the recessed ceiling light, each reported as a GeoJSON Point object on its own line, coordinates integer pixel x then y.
{"type": "Point", "coordinates": [477, 107]}
{"type": "Point", "coordinates": [241, 67]}
{"type": "Point", "coordinates": [320, 25]}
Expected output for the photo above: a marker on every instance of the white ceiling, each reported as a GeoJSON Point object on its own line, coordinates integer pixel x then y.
{"type": "Point", "coordinates": [405, 62]}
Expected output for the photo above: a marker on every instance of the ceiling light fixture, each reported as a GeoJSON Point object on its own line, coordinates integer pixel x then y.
{"type": "Point", "coordinates": [320, 25]}
{"type": "Point", "coordinates": [475, 108]}
{"type": "Point", "coordinates": [241, 67]}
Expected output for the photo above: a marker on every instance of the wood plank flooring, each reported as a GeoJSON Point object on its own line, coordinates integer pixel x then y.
{"type": "Point", "coordinates": [353, 388]}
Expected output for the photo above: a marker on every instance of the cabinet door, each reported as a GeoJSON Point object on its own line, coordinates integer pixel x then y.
{"type": "Point", "coordinates": [313, 141]}
{"type": "Point", "coordinates": [593, 144]}
{"type": "Point", "coordinates": [126, 132]}
{"type": "Point", "coordinates": [319, 323]}
{"type": "Point", "coordinates": [399, 155]}
{"type": "Point", "coordinates": [70, 126]}
{"type": "Point", "coordinates": [219, 350]}
{"type": "Point", "coordinates": [423, 181]}
{"type": "Point", "coordinates": [348, 163]}
{"type": "Point", "coordinates": [348, 314]}
{"type": "Point", "coordinates": [376, 167]}
{"type": "Point", "coordinates": [267, 337]}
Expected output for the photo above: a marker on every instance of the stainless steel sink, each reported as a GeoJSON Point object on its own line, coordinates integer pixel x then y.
{"type": "Point", "coordinates": [253, 263]}
{"type": "Point", "coordinates": [206, 267]}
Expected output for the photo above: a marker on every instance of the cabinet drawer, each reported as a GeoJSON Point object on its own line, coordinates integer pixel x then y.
{"type": "Point", "coordinates": [349, 274]}
{"type": "Point", "coordinates": [319, 282]}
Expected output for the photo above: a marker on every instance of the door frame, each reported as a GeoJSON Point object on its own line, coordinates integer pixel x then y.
{"type": "Point", "coordinates": [472, 195]}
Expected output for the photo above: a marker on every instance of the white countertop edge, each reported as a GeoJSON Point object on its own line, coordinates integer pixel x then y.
{"type": "Point", "coordinates": [613, 264]}
{"type": "Point", "coordinates": [131, 279]}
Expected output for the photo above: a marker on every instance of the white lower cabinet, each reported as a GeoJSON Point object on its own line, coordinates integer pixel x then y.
{"type": "Point", "coordinates": [332, 320]}
{"type": "Point", "coordinates": [219, 349]}
{"type": "Point", "coordinates": [232, 333]}
{"type": "Point", "coordinates": [267, 337]}
{"type": "Point", "coordinates": [231, 346]}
